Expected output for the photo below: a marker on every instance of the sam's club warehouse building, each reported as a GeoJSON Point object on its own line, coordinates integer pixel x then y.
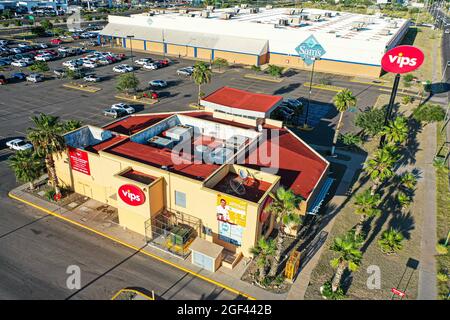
{"type": "Point", "coordinates": [347, 43]}
{"type": "Point", "coordinates": [197, 182]}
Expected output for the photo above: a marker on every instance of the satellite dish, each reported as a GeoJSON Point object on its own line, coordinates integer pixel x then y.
{"type": "Point", "coordinates": [243, 174]}
{"type": "Point", "coordinates": [237, 187]}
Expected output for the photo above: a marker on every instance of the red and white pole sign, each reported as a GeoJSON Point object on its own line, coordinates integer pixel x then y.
{"type": "Point", "coordinates": [402, 59]}
{"type": "Point", "coordinates": [397, 292]}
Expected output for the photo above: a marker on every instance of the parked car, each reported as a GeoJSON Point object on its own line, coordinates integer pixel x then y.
{"type": "Point", "coordinates": [2, 79]}
{"type": "Point", "coordinates": [19, 76]}
{"type": "Point", "coordinates": [292, 103]}
{"type": "Point", "coordinates": [185, 71]}
{"type": "Point", "coordinates": [92, 78]}
{"type": "Point", "coordinates": [123, 68]}
{"type": "Point", "coordinates": [90, 64]}
{"type": "Point", "coordinates": [158, 83]}
{"type": "Point", "coordinates": [15, 50]}
{"type": "Point", "coordinates": [164, 62]}
{"type": "Point", "coordinates": [19, 145]}
{"type": "Point", "coordinates": [34, 77]}
{"type": "Point", "coordinates": [43, 57]}
{"type": "Point", "coordinates": [56, 41]}
{"type": "Point", "coordinates": [74, 68]}
{"type": "Point", "coordinates": [41, 46]}
{"type": "Point", "coordinates": [59, 73]}
{"type": "Point", "coordinates": [123, 107]}
{"type": "Point", "coordinates": [115, 113]}
{"type": "Point", "coordinates": [150, 66]}
{"type": "Point", "coordinates": [141, 62]}
{"type": "Point", "coordinates": [19, 63]}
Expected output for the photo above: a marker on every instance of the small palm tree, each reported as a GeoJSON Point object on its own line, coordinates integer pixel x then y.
{"type": "Point", "coordinates": [408, 180]}
{"type": "Point", "coordinates": [396, 131]}
{"type": "Point", "coordinates": [264, 252]}
{"type": "Point", "coordinates": [380, 167]}
{"type": "Point", "coordinates": [391, 241]}
{"type": "Point", "coordinates": [71, 125]}
{"type": "Point", "coordinates": [201, 76]}
{"type": "Point", "coordinates": [366, 206]}
{"type": "Point", "coordinates": [47, 140]}
{"type": "Point", "coordinates": [343, 100]}
{"type": "Point", "coordinates": [403, 199]}
{"type": "Point", "coordinates": [284, 207]}
{"type": "Point", "coordinates": [349, 255]}
{"type": "Point", "coordinates": [27, 166]}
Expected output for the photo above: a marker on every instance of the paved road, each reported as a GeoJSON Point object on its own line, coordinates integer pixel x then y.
{"type": "Point", "coordinates": [35, 250]}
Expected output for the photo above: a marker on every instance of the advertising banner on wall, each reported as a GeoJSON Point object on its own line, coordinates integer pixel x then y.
{"type": "Point", "coordinates": [79, 161]}
{"type": "Point", "coordinates": [231, 210]}
{"type": "Point", "coordinates": [230, 233]}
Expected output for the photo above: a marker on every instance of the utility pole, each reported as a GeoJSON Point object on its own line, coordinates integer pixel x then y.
{"type": "Point", "coordinates": [305, 125]}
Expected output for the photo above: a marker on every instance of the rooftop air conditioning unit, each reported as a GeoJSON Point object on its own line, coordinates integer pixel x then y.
{"type": "Point", "coordinates": [244, 6]}
{"type": "Point", "coordinates": [290, 12]}
{"type": "Point", "coordinates": [316, 17]}
{"type": "Point", "coordinates": [205, 14]}
{"type": "Point", "coordinates": [283, 22]}
{"type": "Point", "coordinates": [296, 21]}
{"type": "Point", "coordinates": [225, 16]}
{"type": "Point", "coordinates": [184, 11]}
{"type": "Point", "coordinates": [269, 6]}
{"type": "Point", "coordinates": [254, 10]}
{"type": "Point", "coordinates": [210, 8]}
{"type": "Point", "coordinates": [385, 32]}
{"type": "Point", "coordinates": [328, 14]}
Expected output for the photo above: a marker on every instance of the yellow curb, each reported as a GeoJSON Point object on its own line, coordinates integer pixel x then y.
{"type": "Point", "coordinates": [131, 290]}
{"type": "Point", "coordinates": [92, 90]}
{"type": "Point", "coordinates": [140, 100]}
{"type": "Point", "coordinates": [172, 264]}
{"type": "Point", "coordinates": [324, 87]}
{"type": "Point", "coordinates": [262, 78]}
{"type": "Point", "coordinates": [371, 83]}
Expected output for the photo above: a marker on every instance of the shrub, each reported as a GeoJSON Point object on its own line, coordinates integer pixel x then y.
{"type": "Point", "coordinates": [39, 66]}
{"type": "Point", "coordinates": [50, 194]}
{"type": "Point", "coordinates": [256, 68]}
{"type": "Point", "coordinates": [442, 276]}
{"type": "Point", "coordinates": [46, 24]}
{"type": "Point", "coordinates": [429, 113]}
{"type": "Point", "coordinates": [441, 249]}
{"type": "Point", "coordinates": [371, 120]}
{"type": "Point", "coordinates": [350, 139]}
{"type": "Point", "coordinates": [328, 293]}
{"type": "Point", "coordinates": [5, 24]}
{"type": "Point", "coordinates": [39, 31]}
{"type": "Point", "coordinates": [407, 99]}
{"type": "Point", "coordinates": [391, 241]}
{"type": "Point", "coordinates": [18, 23]}
{"type": "Point", "coordinates": [274, 71]}
{"type": "Point", "coordinates": [127, 82]}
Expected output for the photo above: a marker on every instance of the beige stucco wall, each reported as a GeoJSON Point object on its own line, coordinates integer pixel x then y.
{"type": "Point", "coordinates": [137, 44]}
{"type": "Point", "coordinates": [177, 50]}
{"type": "Point", "coordinates": [155, 47]}
{"type": "Point", "coordinates": [233, 57]}
{"type": "Point", "coordinates": [204, 54]}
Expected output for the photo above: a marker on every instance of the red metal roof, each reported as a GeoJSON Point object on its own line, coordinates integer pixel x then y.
{"type": "Point", "coordinates": [105, 144]}
{"type": "Point", "coordinates": [299, 167]}
{"type": "Point", "coordinates": [241, 99]}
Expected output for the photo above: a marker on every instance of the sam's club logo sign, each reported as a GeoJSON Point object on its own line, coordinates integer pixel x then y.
{"type": "Point", "coordinates": [310, 49]}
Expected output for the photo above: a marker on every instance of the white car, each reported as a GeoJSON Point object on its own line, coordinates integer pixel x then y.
{"type": "Point", "coordinates": [19, 63]}
{"type": "Point", "coordinates": [123, 68]}
{"type": "Point", "coordinates": [90, 65]}
{"type": "Point", "coordinates": [43, 57]}
{"type": "Point", "coordinates": [150, 66]}
{"type": "Point", "coordinates": [34, 77]}
{"type": "Point", "coordinates": [158, 83]}
{"type": "Point", "coordinates": [124, 107]}
{"type": "Point", "coordinates": [69, 63]}
{"type": "Point", "coordinates": [63, 49]}
{"type": "Point", "coordinates": [19, 145]}
{"type": "Point", "coordinates": [74, 68]}
{"type": "Point", "coordinates": [42, 45]}
{"type": "Point", "coordinates": [27, 60]}
{"type": "Point", "coordinates": [15, 50]}
{"type": "Point", "coordinates": [91, 78]}
{"type": "Point", "coordinates": [143, 61]}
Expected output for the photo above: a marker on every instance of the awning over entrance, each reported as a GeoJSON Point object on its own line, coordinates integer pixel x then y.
{"type": "Point", "coordinates": [320, 197]}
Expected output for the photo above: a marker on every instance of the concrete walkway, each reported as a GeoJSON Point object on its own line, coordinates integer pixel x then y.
{"type": "Point", "coordinates": [224, 278]}
{"type": "Point", "coordinates": [355, 163]}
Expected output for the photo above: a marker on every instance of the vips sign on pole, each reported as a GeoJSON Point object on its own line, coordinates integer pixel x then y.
{"type": "Point", "coordinates": [131, 195]}
{"type": "Point", "coordinates": [402, 59]}
{"type": "Point", "coordinates": [79, 161]}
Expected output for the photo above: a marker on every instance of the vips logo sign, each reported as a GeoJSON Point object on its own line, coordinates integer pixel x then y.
{"type": "Point", "coordinates": [131, 195]}
{"type": "Point", "coordinates": [310, 49]}
{"type": "Point", "coordinates": [402, 59]}
{"type": "Point", "coordinates": [79, 161]}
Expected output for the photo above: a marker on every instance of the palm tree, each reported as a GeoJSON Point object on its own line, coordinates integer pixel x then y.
{"type": "Point", "coordinates": [366, 206]}
{"type": "Point", "coordinates": [343, 100]}
{"type": "Point", "coordinates": [391, 241]}
{"type": "Point", "coordinates": [349, 256]}
{"type": "Point", "coordinates": [264, 252]}
{"type": "Point", "coordinates": [284, 207]}
{"type": "Point", "coordinates": [27, 166]}
{"type": "Point", "coordinates": [396, 131]}
{"type": "Point", "coordinates": [408, 180]}
{"type": "Point", "coordinates": [201, 76]}
{"type": "Point", "coordinates": [47, 140]}
{"type": "Point", "coordinates": [403, 199]}
{"type": "Point", "coordinates": [71, 125]}
{"type": "Point", "coordinates": [380, 167]}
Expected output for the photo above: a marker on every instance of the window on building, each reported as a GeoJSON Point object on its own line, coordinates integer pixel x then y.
{"type": "Point", "coordinates": [180, 199]}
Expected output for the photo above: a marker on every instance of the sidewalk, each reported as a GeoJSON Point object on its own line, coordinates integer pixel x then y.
{"type": "Point", "coordinates": [355, 163]}
{"type": "Point", "coordinates": [224, 278]}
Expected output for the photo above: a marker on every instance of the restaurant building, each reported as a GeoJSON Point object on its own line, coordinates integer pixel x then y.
{"type": "Point", "coordinates": [196, 182]}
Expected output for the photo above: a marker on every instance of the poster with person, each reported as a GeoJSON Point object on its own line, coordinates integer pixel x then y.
{"type": "Point", "coordinates": [231, 210]}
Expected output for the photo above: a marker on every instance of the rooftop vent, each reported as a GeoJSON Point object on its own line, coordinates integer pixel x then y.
{"type": "Point", "coordinates": [283, 22]}
{"type": "Point", "coordinates": [205, 14]}
{"type": "Point", "coordinates": [269, 6]}
{"type": "Point", "coordinates": [225, 16]}
{"type": "Point", "coordinates": [210, 8]}
{"type": "Point", "coordinates": [254, 10]}
{"type": "Point", "coordinates": [328, 14]}
{"type": "Point", "coordinates": [244, 6]}
{"type": "Point", "coordinates": [290, 12]}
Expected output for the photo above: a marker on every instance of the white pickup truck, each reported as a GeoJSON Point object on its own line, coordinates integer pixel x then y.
{"type": "Point", "coordinates": [19, 145]}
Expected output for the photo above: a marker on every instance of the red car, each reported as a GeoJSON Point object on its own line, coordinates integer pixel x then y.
{"type": "Point", "coordinates": [152, 95]}
{"type": "Point", "coordinates": [121, 56]}
{"type": "Point", "coordinates": [56, 41]}
{"type": "Point", "coordinates": [164, 62]}
{"type": "Point", "coordinates": [2, 79]}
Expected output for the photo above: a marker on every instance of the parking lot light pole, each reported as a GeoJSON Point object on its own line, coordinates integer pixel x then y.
{"type": "Point", "coordinates": [305, 125]}
{"type": "Point", "coordinates": [132, 59]}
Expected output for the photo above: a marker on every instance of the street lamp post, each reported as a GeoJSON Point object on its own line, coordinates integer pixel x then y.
{"type": "Point", "coordinates": [132, 59]}
{"type": "Point", "coordinates": [305, 125]}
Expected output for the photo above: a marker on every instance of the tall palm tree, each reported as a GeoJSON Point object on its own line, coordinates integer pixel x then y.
{"type": "Point", "coordinates": [391, 241]}
{"type": "Point", "coordinates": [27, 166]}
{"type": "Point", "coordinates": [349, 256]}
{"type": "Point", "coordinates": [201, 76]}
{"type": "Point", "coordinates": [366, 206]}
{"type": "Point", "coordinates": [285, 208]}
{"type": "Point", "coordinates": [343, 100]}
{"type": "Point", "coordinates": [47, 140]}
{"type": "Point", "coordinates": [71, 125]}
{"type": "Point", "coordinates": [264, 252]}
{"type": "Point", "coordinates": [396, 131]}
{"type": "Point", "coordinates": [380, 167]}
